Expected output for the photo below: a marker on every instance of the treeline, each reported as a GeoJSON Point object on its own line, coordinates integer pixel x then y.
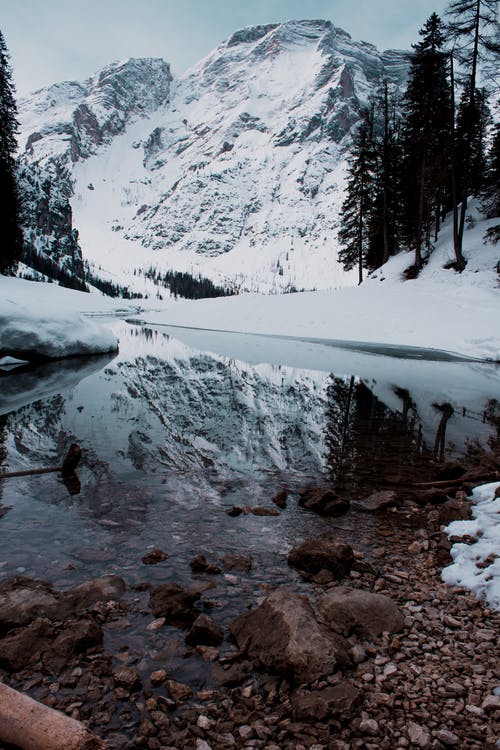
{"type": "Point", "coordinates": [185, 285]}
{"type": "Point", "coordinates": [44, 265]}
{"type": "Point", "coordinates": [416, 158]}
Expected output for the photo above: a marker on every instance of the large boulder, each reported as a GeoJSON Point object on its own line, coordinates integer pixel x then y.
{"type": "Point", "coordinates": [322, 553]}
{"type": "Point", "coordinates": [324, 501]}
{"type": "Point", "coordinates": [367, 615]}
{"type": "Point", "coordinates": [102, 589]}
{"type": "Point", "coordinates": [23, 599]}
{"type": "Point", "coordinates": [283, 636]}
{"type": "Point", "coordinates": [25, 645]}
{"type": "Point", "coordinates": [338, 701]}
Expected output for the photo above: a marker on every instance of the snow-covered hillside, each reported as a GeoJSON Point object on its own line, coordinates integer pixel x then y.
{"type": "Point", "coordinates": [234, 171]}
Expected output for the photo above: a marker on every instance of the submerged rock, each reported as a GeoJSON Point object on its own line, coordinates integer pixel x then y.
{"type": "Point", "coordinates": [204, 632]}
{"type": "Point", "coordinates": [283, 636]}
{"type": "Point", "coordinates": [173, 603]}
{"type": "Point", "coordinates": [154, 557]}
{"type": "Point", "coordinates": [324, 501]}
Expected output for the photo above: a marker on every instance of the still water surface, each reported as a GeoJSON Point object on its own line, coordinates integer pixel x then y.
{"type": "Point", "coordinates": [183, 425]}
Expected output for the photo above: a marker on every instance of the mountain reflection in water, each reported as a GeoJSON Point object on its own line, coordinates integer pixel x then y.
{"type": "Point", "coordinates": [172, 436]}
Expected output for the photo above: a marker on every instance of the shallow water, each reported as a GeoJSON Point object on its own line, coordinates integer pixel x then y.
{"type": "Point", "coordinates": [172, 436]}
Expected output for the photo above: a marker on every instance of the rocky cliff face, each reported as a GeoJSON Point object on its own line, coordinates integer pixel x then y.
{"type": "Point", "coordinates": [63, 124]}
{"type": "Point", "coordinates": [235, 171]}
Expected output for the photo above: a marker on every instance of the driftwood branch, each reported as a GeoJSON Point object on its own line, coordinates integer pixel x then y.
{"type": "Point", "coordinates": [67, 469]}
{"type": "Point", "coordinates": [32, 726]}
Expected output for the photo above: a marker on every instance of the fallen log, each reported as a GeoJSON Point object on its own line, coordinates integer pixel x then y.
{"type": "Point", "coordinates": [32, 726]}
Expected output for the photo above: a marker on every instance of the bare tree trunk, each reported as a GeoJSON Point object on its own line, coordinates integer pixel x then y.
{"type": "Point", "coordinates": [457, 237]}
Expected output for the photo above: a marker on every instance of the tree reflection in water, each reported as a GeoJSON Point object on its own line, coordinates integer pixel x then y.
{"type": "Point", "coordinates": [369, 444]}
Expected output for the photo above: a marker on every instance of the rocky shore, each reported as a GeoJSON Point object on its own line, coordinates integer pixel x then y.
{"type": "Point", "coordinates": [374, 651]}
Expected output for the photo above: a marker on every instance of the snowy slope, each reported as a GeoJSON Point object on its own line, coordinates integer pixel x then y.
{"type": "Point", "coordinates": [238, 177]}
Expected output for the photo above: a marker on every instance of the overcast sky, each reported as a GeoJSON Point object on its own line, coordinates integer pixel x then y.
{"type": "Point", "coordinates": [56, 40]}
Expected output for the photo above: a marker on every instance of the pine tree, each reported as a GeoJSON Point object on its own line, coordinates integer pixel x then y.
{"type": "Point", "coordinates": [11, 242]}
{"type": "Point", "coordinates": [426, 138]}
{"type": "Point", "coordinates": [473, 30]}
{"type": "Point", "coordinates": [490, 196]}
{"type": "Point", "coordinates": [358, 203]}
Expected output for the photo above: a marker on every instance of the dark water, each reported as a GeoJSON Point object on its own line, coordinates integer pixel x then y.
{"type": "Point", "coordinates": [172, 436]}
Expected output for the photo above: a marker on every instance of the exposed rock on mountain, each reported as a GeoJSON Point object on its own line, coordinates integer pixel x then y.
{"type": "Point", "coordinates": [236, 171]}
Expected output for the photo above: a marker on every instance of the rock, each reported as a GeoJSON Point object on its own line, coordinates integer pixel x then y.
{"type": "Point", "coordinates": [377, 501]}
{"type": "Point", "coordinates": [323, 501]}
{"type": "Point", "coordinates": [25, 646]}
{"type": "Point", "coordinates": [454, 510]}
{"type": "Point", "coordinates": [260, 510]}
{"type": "Point", "coordinates": [283, 636]}
{"type": "Point", "coordinates": [280, 498]}
{"type": "Point", "coordinates": [173, 603]}
{"type": "Point", "coordinates": [447, 738]}
{"type": "Point", "coordinates": [491, 703]}
{"type": "Point", "coordinates": [199, 564]}
{"type": "Point", "coordinates": [419, 735]}
{"type": "Point", "coordinates": [234, 511]}
{"type": "Point", "coordinates": [77, 636]}
{"type": "Point", "coordinates": [241, 563]}
{"type": "Point", "coordinates": [154, 557]}
{"type": "Point", "coordinates": [348, 611]}
{"type": "Point", "coordinates": [357, 653]}
{"type": "Point", "coordinates": [234, 675]}
{"type": "Point", "coordinates": [369, 726]}
{"type": "Point", "coordinates": [158, 677]}
{"type": "Point", "coordinates": [105, 588]}
{"type": "Point", "coordinates": [178, 691]}
{"type": "Point", "coordinates": [22, 599]}
{"type": "Point", "coordinates": [127, 678]}
{"type": "Point", "coordinates": [316, 705]}
{"type": "Point", "coordinates": [205, 632]}
{"type": "Point", "coordinates": [322, 553]}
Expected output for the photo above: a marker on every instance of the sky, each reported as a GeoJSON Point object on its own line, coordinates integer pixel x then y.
{"type": "Point", "coordinates": [56, 40]}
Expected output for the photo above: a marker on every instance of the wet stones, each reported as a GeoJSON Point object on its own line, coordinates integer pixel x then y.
{"type": "Point", "coordinates": [204, 632]}
{"type": "Point", "coordinates": [324, 501]}
{"type": "Point", "coordinates": [240, 563]}
{"type": "Point", "coordinates": [322, 553]}
{"type": "Point", "coordinates": [200, 564]}
{"type": "Point", "coordinates": [280, 498]}
{"type": "Point", "coordinates": [283, 636]}
{"type": "Point", "coordinates": [173, 603]}
{"type": "Point", "coordinates": [154, 557]}
{"type": "Point", "coordinates": [363, 613]}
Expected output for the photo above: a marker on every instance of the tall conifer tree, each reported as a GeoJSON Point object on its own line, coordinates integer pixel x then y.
{"type": "Point", "coordinates": [11, 242]}
{"type": "Point", "coordinates": [473, 29]}
{"type": "Point", "coordinates": [358, 203]}
{"type": "Point", "coordinates": [426, 137]}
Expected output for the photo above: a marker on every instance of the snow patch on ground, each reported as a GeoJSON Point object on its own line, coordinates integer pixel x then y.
{"type": "Point", "coordinates": [43, 319]}
{"type": "Point", "coordinates": [485, 527]}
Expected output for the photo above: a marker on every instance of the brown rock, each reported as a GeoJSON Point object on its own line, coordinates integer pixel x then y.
{"type": "Point", "coordinates": [260, 510]}
{"type": "Point", "coordinates": [200, 564]}
{"type": "Point", "coordinates": [178, 691]}
{"type": "Point", "coordinates": [154, 557]}
{"type": "Point", "coordinates": [316, 705]}
{"type": "Point", "coordinates": [377, 501]}
{"type": "Point", "coordinates": [324, 501]}
{"type": "Point", "coordinates": [282, 635]}
{"type": "Point", "coordinates": [127, 678]}
{"type": "Point", "coordinates": [240, 563]}
{"type": "Point", "coordinates": [233, 675]}
{"type": "Point", "coordinates": [22, 599]}
{"type": "Point", "coordinates": [454, 510]}
{"type": "Point", "coordinates": [322, 553]}
{"type": "Point", "coordinates": [367, 615]}
{"type": "Point", "coordinates": [102, 589]}
{"type": "Point", "coordinates": [25, 646]}
{"type": "Point", "coordinates": [173, 603]}
{"type": "Point", "coordinates": [204, 632]}
{"type": "Point", "coordinates": [280, 498]}
{"type": "Point", "coordinates": [234, 511]}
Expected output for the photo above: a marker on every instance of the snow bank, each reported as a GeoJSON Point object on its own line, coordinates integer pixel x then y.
{"type": "Point", "coordinates": [40, 321]}
{"type": "Point", "coordinates": [485, 527]}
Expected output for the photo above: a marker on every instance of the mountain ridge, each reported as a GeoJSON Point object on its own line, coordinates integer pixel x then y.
{"type": "Point", "coordinates": [235, 170]}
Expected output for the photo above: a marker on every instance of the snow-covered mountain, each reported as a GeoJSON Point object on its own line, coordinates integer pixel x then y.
{"type": "Point", "coordinates": [234, 171]}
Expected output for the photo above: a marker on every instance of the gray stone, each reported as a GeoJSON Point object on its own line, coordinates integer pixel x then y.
{"type": "Point", "coordinates": [366, 614]}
